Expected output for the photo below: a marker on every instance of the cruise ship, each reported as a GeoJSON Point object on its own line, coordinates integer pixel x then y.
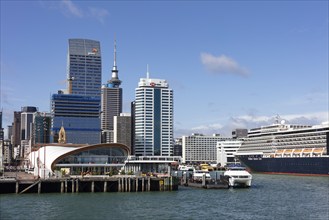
{"type": "Point", "coordinates": [287, 149]}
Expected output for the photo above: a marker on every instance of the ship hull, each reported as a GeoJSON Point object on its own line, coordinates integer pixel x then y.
{"type": "Point", "coordinates": [286, 165]}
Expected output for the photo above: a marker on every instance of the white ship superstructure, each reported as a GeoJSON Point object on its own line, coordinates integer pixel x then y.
{"type": "Point", "coordinates": [286, 139]}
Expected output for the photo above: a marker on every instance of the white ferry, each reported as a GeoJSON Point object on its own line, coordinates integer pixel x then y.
{"type": "Point", "coordinates": [238, 176]}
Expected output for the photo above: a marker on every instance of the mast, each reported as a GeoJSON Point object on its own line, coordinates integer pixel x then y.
{"type": "Point", "coordinates": [115, 81]}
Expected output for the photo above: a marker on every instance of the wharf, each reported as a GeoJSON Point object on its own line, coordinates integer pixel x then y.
{"type": "Point", "coordinates": [221, 183]}
{"type": "Point", "coordinates": [77, 184]}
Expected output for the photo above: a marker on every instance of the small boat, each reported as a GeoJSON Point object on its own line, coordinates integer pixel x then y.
{"type": "Point", "coordinates": [238, 177]}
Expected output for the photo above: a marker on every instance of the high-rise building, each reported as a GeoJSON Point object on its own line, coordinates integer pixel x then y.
{"type": "Point", "coordinates": [122, 129]}
{"type": "Point", "coordinates": [41, 127]}
{"type": "Point", "coordinates": [16, 129]}
{"type": "Point", "coordinates": [79, 115]}
{"type": "Point", "coordinates": [84, 67]}
{"type": "Point", "coordinates": [153, 118]}
{"type": "Point", "coordinates": [78, 111]}
{"type": "Point", "coordinates": [111, 99]}
{"type": "Point", "coordinates": [27, 121]}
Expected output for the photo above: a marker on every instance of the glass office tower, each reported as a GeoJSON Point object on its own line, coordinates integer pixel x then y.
{"type": "Point", "coordinates": [79, 115]}
{"type": "Point", "coordinates": [84, 67]}
{"type": "Point", "coordinates": [78, 111]}
{"type": "Point", "coordinates": [153, 118]}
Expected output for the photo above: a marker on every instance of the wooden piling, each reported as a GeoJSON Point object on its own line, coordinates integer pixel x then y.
{"type": "Point", "coordinates": [149, 184]}
{"type": "Point", "coordinates": [62, 186]}
{"type": "Point", "coordinates": [77, 186]}
{"type": "Point", "coordinates": [39, 187]}
{"type": "Point", "coordinates": [92, 186]}
{"type": "Point", "coordinates": [17, 187]}
{"type": "Point", "coordinates": [143, 180]}
{"type": "Point", "coordinates": [105, 186]}
{"type": "Point", "coordinates": [72, 185]}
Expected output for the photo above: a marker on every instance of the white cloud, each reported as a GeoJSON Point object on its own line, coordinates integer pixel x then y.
{"type": "Point", "coordinates": [222, 64]}
{"type": "Point", "coordinates": [71, 8]}
{"type": "Point", "coordinates": [99, 13]}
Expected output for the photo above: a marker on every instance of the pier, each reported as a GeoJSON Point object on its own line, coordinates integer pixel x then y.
{"type": "Point", "coordinates": [91, 184]}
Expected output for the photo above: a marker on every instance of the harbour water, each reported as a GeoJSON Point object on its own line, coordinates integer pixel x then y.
{"type": "Point", "coordinates": [270, 197]}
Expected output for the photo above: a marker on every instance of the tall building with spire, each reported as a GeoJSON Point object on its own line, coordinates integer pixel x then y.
{"type": "Point", "coordinates": [153, 118]}
{"type": "Point", "coordinates": [111, 102]}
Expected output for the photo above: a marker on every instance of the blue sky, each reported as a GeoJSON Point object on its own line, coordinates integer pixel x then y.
{"type": "Point", "coordinates": [231, 64]}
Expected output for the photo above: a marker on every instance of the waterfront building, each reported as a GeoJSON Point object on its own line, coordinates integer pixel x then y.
{"type": "Point", "coordinates": [84, 67]}
{"type": "Point", "coordinates": [153, 118]}
{"type": "Point", "coordinates": [111, 103]}
{"type": "Point", "coordinates": [79, 115]}
{"type": "Point", "coordinates": [122, 129]}
{"type": "Point", "coordinates": [199, 148]}
{"type": "Point", "coordinates": [77, 159]}
{"type": "Point", "coordinates": [226, 150]}
{"type": "Point", "coordinates": [151, 164]}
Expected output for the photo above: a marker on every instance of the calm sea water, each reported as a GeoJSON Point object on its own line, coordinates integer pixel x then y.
{"type": "Point", "coordinates": [270, 197]}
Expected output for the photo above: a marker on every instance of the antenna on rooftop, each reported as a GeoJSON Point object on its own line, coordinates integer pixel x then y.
{"type": "Point", "coordinates": [147, 72]}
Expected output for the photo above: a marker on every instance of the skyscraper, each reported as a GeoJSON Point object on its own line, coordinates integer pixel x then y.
{"type": "Point", "coordinates": [111, 99]}
{"type": "Point", "coordinates": [17, 129]}
{"type": "Point", "coordinates": [79, 110]}
{"type": "Point", "coordinates": [41, 127]}
{"type": "Point", "coordinates": [26, 121]}
{"type": "Point", "coordinates": [153, 118]}
{"type": "Point", "coordinates": [84, 67]}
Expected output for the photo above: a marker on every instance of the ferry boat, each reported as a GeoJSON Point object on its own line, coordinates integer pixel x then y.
{"type": "Point", "coordinates": [238, 176]}
{"type": "Point", "coordinates": [287, 149]}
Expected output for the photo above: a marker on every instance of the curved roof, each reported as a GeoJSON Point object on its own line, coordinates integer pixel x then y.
{"type": "Point", "coordinates": [50, 155]}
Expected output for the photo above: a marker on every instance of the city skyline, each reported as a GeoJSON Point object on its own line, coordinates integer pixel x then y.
{"type": "Point", "coordinates": [231, 64]}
